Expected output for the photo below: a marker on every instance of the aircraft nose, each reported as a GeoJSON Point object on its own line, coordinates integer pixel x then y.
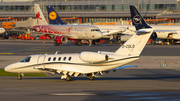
{"type": "Point", "coordinates": [99, 35]}
{"type": "Point", "coordinates": [7, 68]}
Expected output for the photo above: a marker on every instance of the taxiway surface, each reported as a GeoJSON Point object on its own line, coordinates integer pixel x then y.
{"type": "Point", "coordinates": [24, 48]}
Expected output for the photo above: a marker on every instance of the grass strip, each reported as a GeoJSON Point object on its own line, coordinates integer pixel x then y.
{"type": "Point", "coordinates": [3, 73]}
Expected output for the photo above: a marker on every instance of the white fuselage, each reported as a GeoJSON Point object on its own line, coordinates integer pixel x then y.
{"type": "Point", "coordinates": [71, 31]}
{"type": "Point", "coordinates": [162, 32]}
{"type": "Point", "coordinates": [70, 63]}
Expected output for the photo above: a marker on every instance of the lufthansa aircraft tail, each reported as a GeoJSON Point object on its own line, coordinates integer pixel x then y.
{"type": "Point", "coordinates": [53, 16]}
{"type": "Point", "coordinates": [137, 19]}
{"type": "Point", "coordinates": [135, 45]}
{"type": "Point", "coordinates": [39, 15]}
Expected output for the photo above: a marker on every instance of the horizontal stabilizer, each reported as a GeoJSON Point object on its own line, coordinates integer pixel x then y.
{"type": "Point", "coordinates": [144, 31]}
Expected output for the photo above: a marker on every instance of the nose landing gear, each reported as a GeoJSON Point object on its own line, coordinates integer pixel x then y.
{"type": "Point", "coordinates": [19, 77]}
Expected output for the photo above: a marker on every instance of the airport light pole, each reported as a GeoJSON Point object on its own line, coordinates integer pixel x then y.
{"type": "Point", "coordinates": [131, 2]}
{"type": "Point", "coordinates": [138, 5]}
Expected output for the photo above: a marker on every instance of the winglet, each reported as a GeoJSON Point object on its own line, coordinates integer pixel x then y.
{"type": "Point", "coordinates": [53, 16]}
{"type": "Point", "coordinates": [137, 19]}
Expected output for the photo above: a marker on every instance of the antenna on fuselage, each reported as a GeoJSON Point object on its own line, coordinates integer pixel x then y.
{"type": "Point", "coordinates": [56, 52]}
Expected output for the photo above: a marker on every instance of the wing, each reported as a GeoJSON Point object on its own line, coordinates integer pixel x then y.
{"type": "Point", "coordinates": [64, 70]}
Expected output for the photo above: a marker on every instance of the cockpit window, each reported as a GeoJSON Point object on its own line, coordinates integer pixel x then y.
{"type": "Point", "coordinates": [95, 30]}
{"type": "Point", "coordinates": [27, 59]}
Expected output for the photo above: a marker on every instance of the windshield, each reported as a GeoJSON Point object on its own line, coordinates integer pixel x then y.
{"type": "Point", "coordinates": [27, 59]}
{"type": "Point", "coordinates": [95, 30]}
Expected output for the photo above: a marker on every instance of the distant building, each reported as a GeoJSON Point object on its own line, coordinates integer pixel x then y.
{"type": "Point", "coordinates": [90, 11]}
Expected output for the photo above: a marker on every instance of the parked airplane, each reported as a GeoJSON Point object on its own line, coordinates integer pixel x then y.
{"type": "Point", "coordinates": [108, 30]}
{"type": "Point", "coordinates": [65, 32]}
{"type": "Point", "coordinates": [160, 31]}
{"type": "Point", "coordinates": [2, 30]}
{"type": "Point", "coordinates": [87, 63]}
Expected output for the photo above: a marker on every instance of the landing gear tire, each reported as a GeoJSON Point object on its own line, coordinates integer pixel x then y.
{"type": "Point", "coordinates": [90, 45]}
{"type": "Point", "coordinates": [78, 44]}
{"type": "Point", "coordinates": [91, 77]}
{"type": "Point", "coordinates": [56, 44]}
{"type": "Point", "coordinates": [19, 77]}
{"type": "Point", "coordinates": [68, 78]}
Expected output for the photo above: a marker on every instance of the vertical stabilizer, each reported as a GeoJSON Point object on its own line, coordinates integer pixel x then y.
{"type": "Point", "coordinates": [137, 19]}
{"type": "Point", "coordinates": [53, 16]}
{"type": "Point", "coordinates": [135, 45]}
{"type": "Point", "coordinates": [39, 15]}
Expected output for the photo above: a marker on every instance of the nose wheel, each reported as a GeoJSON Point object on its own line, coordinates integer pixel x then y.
{"type": "Point", "coordinates": [19, 77]}
{"type": "Point", "coordinates": [90, 43]}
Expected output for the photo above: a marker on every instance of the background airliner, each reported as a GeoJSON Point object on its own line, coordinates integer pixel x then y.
{"type": "Point", "coordinates": [107, 30]}
{"type": "Point", "coordinates": [160, 31]}
{"type": "Point", "coordinates": [87, 63]}
{"type": "Point", "coordinates": [65, 32]}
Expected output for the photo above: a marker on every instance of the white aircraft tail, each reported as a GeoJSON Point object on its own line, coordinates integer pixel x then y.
{"type": "Point", "coordinates": [135, 45]}
{"type": "Point", "coordinates": [39, 15]}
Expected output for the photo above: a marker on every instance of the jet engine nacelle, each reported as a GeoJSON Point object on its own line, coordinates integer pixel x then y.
{"type": "Point", "coordinates": [93, 57]}
{"type": "Point", "coordinates": [163, 35]}
{"type": "Point", "coordinates": [61, 39]}
{"type": "Point", "coordinates": [125, 37]}
{"type": "Point", "coordinates": [176, 36]}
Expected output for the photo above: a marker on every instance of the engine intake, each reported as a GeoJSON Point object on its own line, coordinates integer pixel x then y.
{"type": "Point", "coordinates": [61, 39]}
{"type": "Point", "coordinates": [93, 57]}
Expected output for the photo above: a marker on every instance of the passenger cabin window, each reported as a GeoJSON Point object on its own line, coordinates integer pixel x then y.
{"type": "Point", "coordinates": [27, 59]}
{"type": "Point", "coordinates": [49, 59]}
{"type": "Point", "coordinates": [64, 59]}
{"type": "Point", "coordinates": [54, 59]}
{"type": "Point", "coordinates": [69, 58]}
{"type": "Point", "coordinates": [94, 29]}
{"type": "Point", "coordinates": [59, 59]}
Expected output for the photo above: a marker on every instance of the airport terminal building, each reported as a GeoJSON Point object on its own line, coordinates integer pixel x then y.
{"type": "Point", "coordinates": [90, 11]}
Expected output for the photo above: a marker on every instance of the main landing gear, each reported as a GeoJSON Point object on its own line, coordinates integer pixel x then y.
{"type": "Point", "coordinates": [78, 43]}
{"type": "Point", "coordinates": [90, 76]}
{"type": "Point", "coordinates": [19, 77]}
{"type": "Point", "coordinates": [56, 44]}
{"type": "Point", "coordinates": [68, 78]}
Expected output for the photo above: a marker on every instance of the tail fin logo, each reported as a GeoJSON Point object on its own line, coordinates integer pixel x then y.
{"type": "Point", "coordinates": [38, 15]}
{"type": "Point", "coordinates": [52, 15]}
{"type": "Point", "coordinates": [137, 19]}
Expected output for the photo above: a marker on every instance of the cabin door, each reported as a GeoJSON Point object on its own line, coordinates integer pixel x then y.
{"type": "Point", "coordinates": [40, 61]}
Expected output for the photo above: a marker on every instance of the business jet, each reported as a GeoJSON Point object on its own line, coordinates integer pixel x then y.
{"type": "Point", "coordinates": [65, 32]}
{"type": "Point", "coordinates": [2, 30]}
{"type": "Point", "coordinates": [87, 63]}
